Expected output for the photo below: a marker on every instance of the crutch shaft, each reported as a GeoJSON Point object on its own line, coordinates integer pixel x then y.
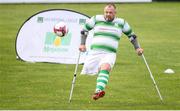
{"type": "Point", "coordinates": [157, 89]}
{"type": "Point", "coordinates": [74, 78]}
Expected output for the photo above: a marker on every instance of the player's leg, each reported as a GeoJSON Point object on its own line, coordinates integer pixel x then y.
{"type": "Point", "coordinates": [102, 80]}
{"type": "Point", "coordinates": [106, 65]}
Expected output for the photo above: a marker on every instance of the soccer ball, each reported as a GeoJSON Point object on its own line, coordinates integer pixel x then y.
{"type": "Point", "coordinates": [60, 29]}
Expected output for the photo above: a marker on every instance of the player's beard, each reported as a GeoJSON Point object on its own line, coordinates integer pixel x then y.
{"type": "Point", "coordinates": [109, 19]}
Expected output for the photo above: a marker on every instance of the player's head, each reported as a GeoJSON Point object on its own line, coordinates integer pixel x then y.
{"type": "Point", "coordinates": [109, 12]}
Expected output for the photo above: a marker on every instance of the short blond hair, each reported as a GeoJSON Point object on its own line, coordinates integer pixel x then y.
{"type": "Point", "coordinates": [111, 5]}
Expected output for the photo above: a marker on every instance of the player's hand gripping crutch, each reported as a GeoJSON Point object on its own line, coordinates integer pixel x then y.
{"type": "Point", "coordinates": [74, 78]}
{"type": "Point", "coordinates": [151, 75]}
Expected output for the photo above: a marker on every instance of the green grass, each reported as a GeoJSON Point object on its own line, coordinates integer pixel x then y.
{"type": "Point", "coordinates": [47, 86]}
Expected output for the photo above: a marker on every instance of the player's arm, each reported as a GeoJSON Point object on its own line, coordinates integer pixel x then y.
{"type": "Point", "coordinates": [82, 46]}
{"type": "Point", "coordinates": [132, 37]}
{"type": "Point", "coordinates": [84, 33]}
{"type": "Point", "coordinates": [134, 41]}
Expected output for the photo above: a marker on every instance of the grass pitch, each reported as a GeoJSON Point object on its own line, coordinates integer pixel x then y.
{"type": "Point", "coordinates": [45, 86]}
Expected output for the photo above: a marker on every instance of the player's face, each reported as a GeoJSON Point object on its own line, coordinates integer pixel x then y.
{"type": "Point", "coordinates": [109, 13]}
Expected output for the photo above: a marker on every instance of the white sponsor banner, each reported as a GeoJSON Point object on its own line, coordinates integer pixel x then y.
{"type": "Point", "coordinates": [70, 1]}
{"type": "Point", "coordinates": [36, 41]}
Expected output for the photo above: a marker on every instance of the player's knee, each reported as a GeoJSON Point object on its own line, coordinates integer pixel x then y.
{"type": "Point", "coordinates": [105, 66]}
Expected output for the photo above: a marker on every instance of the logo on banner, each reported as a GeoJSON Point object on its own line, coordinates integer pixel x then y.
{"type": "Point", "coordinates": [53, 43]}
{"type": "Point", "coordinates": [58, 19]}
{"type": "Point", "coordinates": [40, 19]}
{"type": "Point", "coordinates": [82, 21]}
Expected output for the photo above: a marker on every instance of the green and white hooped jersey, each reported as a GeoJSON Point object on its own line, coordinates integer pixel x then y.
{"type": "Point", "coordinates": [107, 34]}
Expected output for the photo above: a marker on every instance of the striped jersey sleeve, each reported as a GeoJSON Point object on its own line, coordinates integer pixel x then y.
{"type": "Point", "coordinates": [90, 23]}
{"type": "Point", "coordinates": [127, 30]}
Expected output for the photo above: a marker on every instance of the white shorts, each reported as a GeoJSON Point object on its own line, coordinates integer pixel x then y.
{"type": "Point", "coordinates": [95, 59]}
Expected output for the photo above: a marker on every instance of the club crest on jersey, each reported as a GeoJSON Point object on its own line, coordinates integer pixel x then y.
{"type": "Point", "coordinates": [116, 24]}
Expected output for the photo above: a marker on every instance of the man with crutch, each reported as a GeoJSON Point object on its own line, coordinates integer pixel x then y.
{"type": "Point", "coordinates": [107, 32]}
{"type": "Point", "coordinates": [101, 58]}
